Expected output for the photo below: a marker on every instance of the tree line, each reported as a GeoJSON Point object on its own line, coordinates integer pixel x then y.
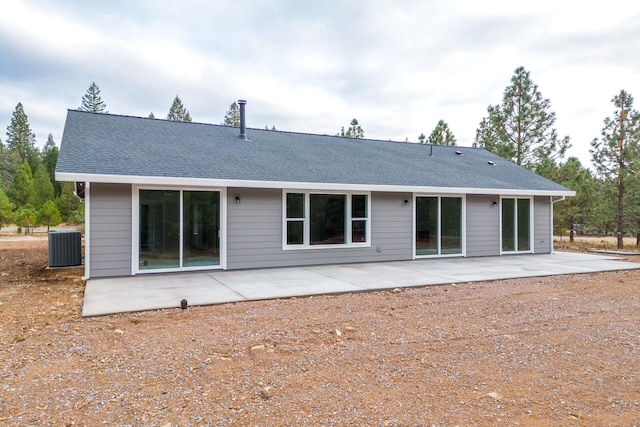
{"type": "Point", "coordinates": [519, 129]}
{"type": "Point", "coordinates": [29, 194]}
{"type": "Point", "coordinates": [607, 199]}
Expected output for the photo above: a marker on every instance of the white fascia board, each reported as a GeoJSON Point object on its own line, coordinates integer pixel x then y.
{"type": "Point", "coordinates": [205, 182]}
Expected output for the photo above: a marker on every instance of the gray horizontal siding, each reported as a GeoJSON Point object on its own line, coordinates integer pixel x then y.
{"type": "Point", "coordinates": [542, 243]}
{"type": "Point", "coordinates": [254, 232]}
{"type": "Point", "coordinates": [110, 234]}
{"type": "Point", "coordinates": [483, 225]}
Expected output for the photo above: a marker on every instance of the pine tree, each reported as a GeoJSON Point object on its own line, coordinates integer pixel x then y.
{"type": "Point", "coordinates": [615, 156]}
{"type": "Point", "coordinates": [25, 217]}
{"type": "Point", "coordinates": [151, 116]}
{"type": "Point", "coordinates": [9, 163]}
{"type": "Point", "coordinates": [49, 214]}
{"type": "Point", "coordinates": [67, 203]}
{"type": "Point", "coordinates": [177, 112]}
{"type": "Point", "coordinates": [578, 209]}
{"type": "Point", "coordinates": [422, 139]}
{"type": "Point", "coordinates": [20, 137]}
{"type": "Point", "coordinates": [353, 131]}
{"type": "Point", "coordinates": [42, 187]}
{"type": "Point", "coordinates": [92, 102]}
{"type": "Point", "coordinates": [6, 209]}
{"type": "Point", "coordinates": [49, 159]}
{"type": "Point", "coordinates": [232, 116]}
{"type": "Point", "coordinates": [442, 135]}
{"type": "Point", "coordinates": [21, 192]}
{"type": "Point", "coordinates": [521, 128]}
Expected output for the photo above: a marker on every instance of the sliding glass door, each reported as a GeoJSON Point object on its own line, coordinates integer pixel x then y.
{"type": "Point", "coordinates": [178, 229]}
{"type": "Point", "coordinates": [438, 226]}
{"type": "Point", "coordinates": [516, 225]}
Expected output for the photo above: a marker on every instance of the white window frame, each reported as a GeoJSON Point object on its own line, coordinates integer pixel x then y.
{"type": "Point", "coordinates": [463, 225]}
{"type": "Point", "coordinates": [135, 229]}
{"type": "Point", "coordinates": [306, 245]}
{"type": "Point", "coordinates": [531, 224]}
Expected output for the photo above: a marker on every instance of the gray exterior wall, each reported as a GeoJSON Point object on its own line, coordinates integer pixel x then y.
{"type": "Point", "coordinates": [110, 234]}
{"type": "Point", "coordinates": [483, 225]}
{"type": "Point", "coordinates": [542, 242]}
{"type": "Point", "coordinates": [254, 232]}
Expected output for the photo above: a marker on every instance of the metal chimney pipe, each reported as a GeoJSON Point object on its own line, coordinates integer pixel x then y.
{"type": "Point", "coordinates": [243, 123]}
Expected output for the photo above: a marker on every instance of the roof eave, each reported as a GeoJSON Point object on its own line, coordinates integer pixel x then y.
{"type": "Point", "coordinates": [207, 182]}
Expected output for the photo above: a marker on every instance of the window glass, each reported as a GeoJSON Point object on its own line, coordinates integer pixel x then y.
{"type": "Point", "coordinates": [201, 243]}
{"type": "Point", "coordinates": [159, 229]}
{"type": "Point", "coordinates": [359, 231]}
{"type": "Point", "coordinates": [523, 224]}
{"type": "Point", "coordinates": [359, 206]}
{"type": "Point", "coordinates": [295, 205]}
{"type": "Point", "coordinates": [295, 232]}
{"type": "Point", "coordinates": [451, 225]}
{"type": "Point", "coordinates": [508, 225]}
{"type": "Point", "coordinates": [327, 219]}
{"type": "Point", "coordinates": [427, 226]}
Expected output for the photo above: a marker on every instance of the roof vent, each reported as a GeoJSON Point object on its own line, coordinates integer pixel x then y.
{"type": "Point", "coordinates": [243, 123]}
{"type": "Point", "coordinates": [491, 162]}
{"type": "Point", "coordinates": [459, 153]}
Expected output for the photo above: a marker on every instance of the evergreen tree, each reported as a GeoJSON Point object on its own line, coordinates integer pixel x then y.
{"type": "Point", "coordinates": [26, 218]}
{"type": "Point", "coordinates": [632, 206]}
{"type": "Point", "coordinates": [9, 164]}
{"type": "Point", "coordinates": [151, 116]}
{"type": "Point", "coordinates": [49, 158]}
{"type": "Point", "coordinates": [6, 209]}
{"type": "Point", "coordinates": [353, 131]}
{"type": "Point", "coordinates": [20, 137]}
{"type": "Point", "coordinates": [422, 139]}
{"type": "Point", "coordinates": [603, 207]}
{"type": "Point", "coordinates": [578, 209]}
{"type": "Point", "coordinates": [177, 112]}
{"type": "Point", "coordinates": [615, 154]}
{"type": "Point", "coordinates": [21, 193]}
{"type": "Point", "coordinates": [232, 116]}
{"type": "Point", "coordinates": [49, 214]}
{"type": "Point", "coordinates": [67, 203]}
{"type": "Point", "coordinates": [42, 188]}
{"type": "Point", "coordinates": [92, 102]}
{"type": "Point", "coordinates": [442, 135]}
{"type": "Point", "coordinates": [521, 128]}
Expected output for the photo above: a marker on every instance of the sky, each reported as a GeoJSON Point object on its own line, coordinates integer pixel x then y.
{"type": "Point", "coordinates": [398, 66]}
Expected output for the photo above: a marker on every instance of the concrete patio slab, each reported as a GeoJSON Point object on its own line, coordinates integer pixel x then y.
{"type": "Point", "coordinates": [157, 291]}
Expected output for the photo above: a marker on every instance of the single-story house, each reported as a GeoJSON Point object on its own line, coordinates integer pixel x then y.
{"type": "Point", "coordinates": [166, 196]}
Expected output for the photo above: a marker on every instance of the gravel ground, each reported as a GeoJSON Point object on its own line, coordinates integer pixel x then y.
{"type": "Point", "coordinates": [561, 350]}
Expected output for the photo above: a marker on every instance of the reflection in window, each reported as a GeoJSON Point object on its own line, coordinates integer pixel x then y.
{"type": "Point", "coordinates": [326, 219]}
{"type": "Point", "coordinates": [169, 240]}
{"type": "Point", "coordinates": [438, 225]}
{"type": "Point", "coordinates": [516, 225]}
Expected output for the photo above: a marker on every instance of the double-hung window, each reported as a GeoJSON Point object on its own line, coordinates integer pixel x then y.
{"type": "Point", "coordinates": [321, 220]}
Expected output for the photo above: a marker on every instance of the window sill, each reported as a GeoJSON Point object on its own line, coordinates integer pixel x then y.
{"type": "Point", "coordinates": [336, 246]}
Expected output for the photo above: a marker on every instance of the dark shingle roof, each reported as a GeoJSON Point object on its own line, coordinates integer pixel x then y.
{"type": "Point", "coordinates": [106, 144]}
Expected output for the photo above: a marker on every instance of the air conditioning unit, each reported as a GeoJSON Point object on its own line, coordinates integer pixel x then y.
{"type": "Point", "coordinates": [65, 248]}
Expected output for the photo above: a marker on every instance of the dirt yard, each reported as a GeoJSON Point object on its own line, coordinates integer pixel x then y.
{"type": "Point", "coordinates": [560, 350]}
